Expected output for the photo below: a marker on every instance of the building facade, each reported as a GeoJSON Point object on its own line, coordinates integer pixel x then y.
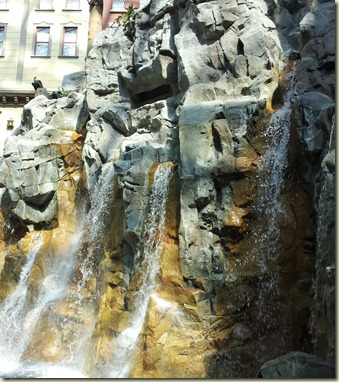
{"type": "Point", "coordinates": [44, 38]}
{"type": "Point", "coordinates": [112, 9]}
{"type": "Point", "coordinates": [47, 39]}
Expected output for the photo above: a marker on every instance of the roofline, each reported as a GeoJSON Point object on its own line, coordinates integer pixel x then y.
{"type": "Point", "coordinates": [17, 92]}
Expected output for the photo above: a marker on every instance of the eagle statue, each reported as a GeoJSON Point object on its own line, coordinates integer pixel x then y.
{"type": "Point", "coordinates": [37, 83]}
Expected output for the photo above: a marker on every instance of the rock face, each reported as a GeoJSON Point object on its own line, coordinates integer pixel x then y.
{"type": "Point", "coordinates": [298, 365]}
{"type": "Point", "coordinates": [37, 159]}
{"type": "Point", "coordinates": [195, 86]}
{"type": "Point", "coordinates": [315, 103]}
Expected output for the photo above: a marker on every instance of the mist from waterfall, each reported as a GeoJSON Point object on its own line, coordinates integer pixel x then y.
{"type": "Point", "coordinates": [127, 341]}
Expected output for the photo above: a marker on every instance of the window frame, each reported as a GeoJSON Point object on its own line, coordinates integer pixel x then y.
{"type": "Point", "coordinates": [118, 9]}
{"type": "Point", "coordinates": [39, 8]}
{"type": "Point", "coordinates": [64, 28]}
{"type": "Point", "coordinates": [37, 27]}
{"type": "Point", "coordinates": [2, 47]}
{"type": "Point", "coordinates": [4, 7]}
{"type": "Point", "coordinates": [72, 9]}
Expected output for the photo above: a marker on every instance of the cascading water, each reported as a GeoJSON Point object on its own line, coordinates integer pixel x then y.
{"type": "Point", "coordinates": [127, 340]}
{"type": "Point", "coordinates": [271, 173]}
{"type": "Point", "coordinates": [269, 329]}
{"type": "Point", "coordinates": [26, 318]}
{"type": "Point", "coordinates": [83, 295]}
{"type": "Point", "coordinates": [93, 226]}
{"type": "Point", "coordinates": [269, 210]}
{"type": "Point", "coordinates": [19, 320]}
{"type": "Point", "coordinates": [12, 313]}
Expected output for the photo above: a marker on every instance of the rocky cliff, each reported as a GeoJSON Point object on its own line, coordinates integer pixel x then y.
{"type": "Point", "coordinates": [237, 99]}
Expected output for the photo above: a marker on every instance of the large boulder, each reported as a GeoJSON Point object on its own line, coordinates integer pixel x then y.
{"type": "Point", "coordinates": [65, 113]}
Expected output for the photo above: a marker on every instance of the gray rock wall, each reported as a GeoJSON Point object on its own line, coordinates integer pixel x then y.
{"type": "Point", "coordinates": [315, 115]}
{"type": "Point", "coordinates": [195, 83]}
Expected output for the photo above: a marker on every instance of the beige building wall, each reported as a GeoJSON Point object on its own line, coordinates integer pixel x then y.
{"type": "Point", "coordinates": [18, 66]}
{"type": "Point", "coordinates": [51, 70]}
{"type": "Point", "coordinates": [11, 18]}
{"type": "Point", "coordinates": [6, 114]}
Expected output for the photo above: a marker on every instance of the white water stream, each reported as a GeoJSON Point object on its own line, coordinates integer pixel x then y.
{"type": "Point", "coordinates": [12, 310]}
{"type": "Point", "coordinates": [127, 340]}
{"type": "Point", "coordinates": [271, 177]}
{"type": "Point", "coordinates": [269, 209]}
{"type": "Point", "coordinates": [17, 322]}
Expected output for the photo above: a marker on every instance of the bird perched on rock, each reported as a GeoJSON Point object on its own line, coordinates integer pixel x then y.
{"type": "Point", "coordinates": [37, 83]}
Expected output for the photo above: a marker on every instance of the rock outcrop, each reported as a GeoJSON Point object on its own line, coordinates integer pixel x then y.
{"type": "Point", "coordinates": [38, 160]}
{"type": "Point", "coordinates": [193, 84]}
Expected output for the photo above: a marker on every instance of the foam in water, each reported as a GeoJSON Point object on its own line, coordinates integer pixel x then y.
{"type": "Point", "coordinates": [161, 303]}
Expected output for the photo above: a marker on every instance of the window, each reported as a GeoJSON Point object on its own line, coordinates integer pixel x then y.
{"type": "Point", "coordinates": [70, 42]}
{"type": "Point", "coordinates": [118, 5]}
{"type": "Point", "coordinates": [45, 4]}
{"type": "Point", "coordinates": [3, 4]}
{"type": "Point", "coordinates": [42, 41]}
{"type": "Point", "coordinates": [72, 4]}
{"type": "Point", "coordinates": [2, 40]}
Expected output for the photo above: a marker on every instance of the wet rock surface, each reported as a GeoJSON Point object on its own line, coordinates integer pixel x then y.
{"type": "Point", "coordinates": [194, 84]}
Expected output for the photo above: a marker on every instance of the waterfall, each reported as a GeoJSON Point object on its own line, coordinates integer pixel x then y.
{"type": "Point", "coordinates": [332, 140]}
{"type": "Point", "coordinates": [83, 297]}
{"type": "Point", "coordinates": [19, 320]}
{"type": "Point", "coordinates": [271, 173]}
{"type": "Point", "coordinates": [69, 280]}
{"type": "Point", "coordinates": [18, 332]}
{"type": "Point", "coordinates": [127, 340]}
{"type": "Point", "coordinates": [93, 226]}
{"type": "Point", "coordinates": [12, 311]}
{"type": "Point", "coordinates": [269, 210]}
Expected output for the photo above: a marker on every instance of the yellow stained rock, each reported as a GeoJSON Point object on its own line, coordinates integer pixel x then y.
{"type": "Point", "coordinates": [244, 164]}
